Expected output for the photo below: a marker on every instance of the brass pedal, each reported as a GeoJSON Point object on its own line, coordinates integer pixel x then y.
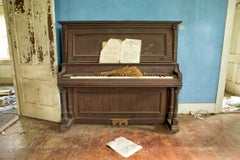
{"type": "Point", "coordinates": [119, 122]}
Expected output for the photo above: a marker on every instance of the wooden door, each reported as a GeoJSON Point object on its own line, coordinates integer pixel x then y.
{"type": "Point", "coordinates": [233, 77]}
{"type": "Point", "coordinates": [33, 48]}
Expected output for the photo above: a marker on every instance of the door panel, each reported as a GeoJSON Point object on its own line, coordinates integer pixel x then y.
{"type": "Point", "coordinates": [31, 35]}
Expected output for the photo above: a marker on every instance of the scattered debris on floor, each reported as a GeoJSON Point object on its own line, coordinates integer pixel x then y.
{"type": "Point", "coordinates": [8, 111]}
{"type": "Point", "coordinates": [231, 104]}
{"type": "Point", "coordinates": [5, 92]}
{"type": "Point", "coordinates": [7, 102]}
{"type": "Point", "coordinates": [201, 114]}
{"type": "Point", "coordinates": [124, 147]}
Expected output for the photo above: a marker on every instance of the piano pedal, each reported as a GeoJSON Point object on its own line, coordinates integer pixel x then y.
{"type": "Point", "coordinates": [119, 122]}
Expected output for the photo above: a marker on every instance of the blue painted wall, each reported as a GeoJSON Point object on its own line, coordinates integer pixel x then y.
{"type": "Point", "coordinates": [200, 34]}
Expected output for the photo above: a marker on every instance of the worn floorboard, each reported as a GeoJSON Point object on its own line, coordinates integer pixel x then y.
{"type": "Point", "coordinates": [216, 138]}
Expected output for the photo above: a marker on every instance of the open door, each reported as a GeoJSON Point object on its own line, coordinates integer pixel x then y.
{"type": "Point", "coordinates": [32, 42]}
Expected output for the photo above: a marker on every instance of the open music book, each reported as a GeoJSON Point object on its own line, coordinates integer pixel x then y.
{"type": "Point", "coordinates": [118, 51]}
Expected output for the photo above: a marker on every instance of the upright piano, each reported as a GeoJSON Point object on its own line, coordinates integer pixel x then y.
{"type": "Point", "coordinates": [87, 97]}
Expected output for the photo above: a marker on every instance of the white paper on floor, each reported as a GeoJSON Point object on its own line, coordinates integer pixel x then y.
{"type": "Point", "coordinates": [124, 147]}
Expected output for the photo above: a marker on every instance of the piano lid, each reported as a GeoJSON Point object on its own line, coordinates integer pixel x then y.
{"type": "Point", "coordinates": [82, 40]}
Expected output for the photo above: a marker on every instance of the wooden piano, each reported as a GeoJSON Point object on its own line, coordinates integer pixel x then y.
{"type": "Point", "coordinates": [89, 98]}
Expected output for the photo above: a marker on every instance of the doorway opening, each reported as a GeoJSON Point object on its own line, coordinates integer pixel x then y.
{"type": "Point", "coordinates": [231, 100]}
{"type": "Point", "coordinates": [8, 109]}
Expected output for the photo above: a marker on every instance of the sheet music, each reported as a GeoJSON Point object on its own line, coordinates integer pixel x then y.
{"type": "Point", "coordinates": [130, 52]}
{"type": "Point", "coordinates": [111, 51]}
{"type": "Point", "coordinates": [124, 147]}
{"type": "Point", "coordinates": [118, 51]}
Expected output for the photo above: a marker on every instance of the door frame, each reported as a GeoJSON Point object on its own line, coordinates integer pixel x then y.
{"type": "Point", "coordinates": [225, 51]}
{"type": "Point", "coordinates": [10, 48]}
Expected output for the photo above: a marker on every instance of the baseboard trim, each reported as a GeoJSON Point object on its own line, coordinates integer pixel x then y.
{"type": "Point", "coordinates": [185, 108]}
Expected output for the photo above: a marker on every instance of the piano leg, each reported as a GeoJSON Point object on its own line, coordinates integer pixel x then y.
{"type": "Point", "coordinates": [70, 108]}
{"type": "Point", "coordinates": [171, 105]}
{"type": "Point", "coordinates": [175, 111]}
{"type": "Point", "coordinates": [172, 119]}
{"type": "Point", "coordinates": [65, 122]}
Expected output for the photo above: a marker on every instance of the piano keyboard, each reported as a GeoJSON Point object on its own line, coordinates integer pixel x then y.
{"type": "Point", "coordinates": [95, 76]}
{"type": "Point", "coordinates": [120, 77]}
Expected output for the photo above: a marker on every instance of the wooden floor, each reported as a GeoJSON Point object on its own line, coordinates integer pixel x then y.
{"type": "Point", "coordinates": [216, 138]}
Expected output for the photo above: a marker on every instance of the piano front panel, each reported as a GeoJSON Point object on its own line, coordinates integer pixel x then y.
{"type": "Point", "coordinates": [127, 103]}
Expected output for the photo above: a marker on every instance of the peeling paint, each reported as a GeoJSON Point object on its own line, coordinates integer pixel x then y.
{"type": "Point", "coordinates": [10, 8]}
{"type": "Point", "coordinates": [237, 4]}
{"type": "Point", "coordinates": [35, 40]}
{"type": "Point", "coordinates": [10, 2]}
{"type": "Point", "coordinates": [27, 58]}
{"type": "Point", "coordinates": [30, 31]}
{"type": "Point", "coordinates": [19, 6]}
{"type": "Point", "coordinates": [32, 42]}
{"type": "Point", "coordinates": [31, 35]}
{"type": "Point", "coordinates": [51, 38]}
{"type": "Point", "coordinates": [40, 54]}
{"type": "Point", "coordinates": [45, 31]}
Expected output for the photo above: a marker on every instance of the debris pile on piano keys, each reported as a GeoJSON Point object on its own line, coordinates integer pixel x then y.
{"type": "Point", "coordinates": [132, 71]}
